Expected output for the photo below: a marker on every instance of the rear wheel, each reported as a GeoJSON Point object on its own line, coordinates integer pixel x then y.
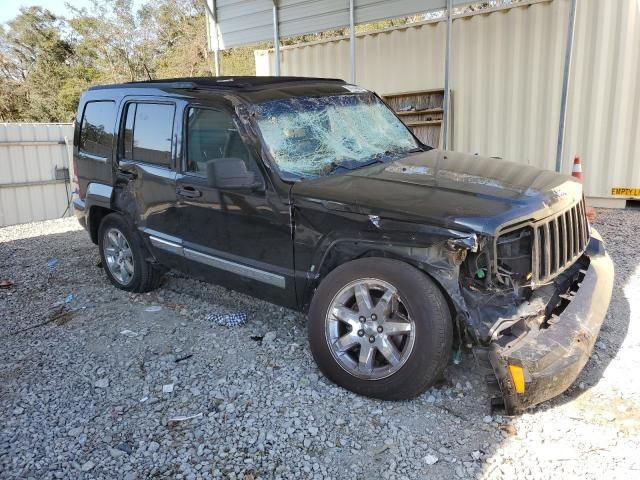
{"type": "Point", "coordinates": [123, 257]}
{"type": "Point", "coordinates": [381, 328]}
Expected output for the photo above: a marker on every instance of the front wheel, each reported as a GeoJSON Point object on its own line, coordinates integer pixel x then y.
{"type": "Point", "coordinates": [381, 328]}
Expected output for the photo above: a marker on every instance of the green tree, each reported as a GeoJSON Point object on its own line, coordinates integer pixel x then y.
{"type": "Point", "coordinates": [35, 62]}
{"type": "Point", "coordinates": [117, 41]}
{"type": "Point", "coordinates": [181, 39]}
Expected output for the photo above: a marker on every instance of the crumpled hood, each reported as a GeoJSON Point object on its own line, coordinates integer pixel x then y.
{"type": "Point", "coordinates": [449, 189]}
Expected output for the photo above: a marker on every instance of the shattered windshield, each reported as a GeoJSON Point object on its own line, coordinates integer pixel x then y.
{"type": "Point", "coordinates": [313, 136]}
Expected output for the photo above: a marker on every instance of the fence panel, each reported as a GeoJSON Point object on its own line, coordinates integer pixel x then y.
{"type": "Point", "coordinates": [29, 156]}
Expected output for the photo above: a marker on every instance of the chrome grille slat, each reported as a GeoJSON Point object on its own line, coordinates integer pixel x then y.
{"type": "Point", "coordinates": [547, 250]}
{"type": "Point", "coordinates": [556, 246]}
{"type": "Point", "coordinates": [579, 227]}
{"type": "Point", "coordinates": [582, 215]}
{"type": "Point", "coordinates": [577, 222]}
{"type": "Point", "coordinates": [569, 233]}
{"type": "Point", "coordinates": [563, 240]}
{"type": "Point", "coordinates": [558, 242]}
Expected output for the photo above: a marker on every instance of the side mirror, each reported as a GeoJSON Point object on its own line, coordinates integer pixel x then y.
{"type": "Point", "coordinates": [229, 173]}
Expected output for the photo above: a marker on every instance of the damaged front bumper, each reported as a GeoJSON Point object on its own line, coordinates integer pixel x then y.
{"type": "Point", "coordinates": [540, 364]}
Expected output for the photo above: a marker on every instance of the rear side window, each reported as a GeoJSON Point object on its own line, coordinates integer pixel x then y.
{"type": "Point", "coordinates": [148, 131]}
{"type": "Point", "coordinates": [96, 129]}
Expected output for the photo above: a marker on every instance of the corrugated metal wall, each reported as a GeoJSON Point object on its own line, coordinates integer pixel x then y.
{"type": "Point", "coordinates": [506, 81]}
{"type": "Point", "coordinates": [29, 154]}
{"type": "Point", "coordinates": [604, 102]}
{"type": "Point", "coordinates": [391, 61]}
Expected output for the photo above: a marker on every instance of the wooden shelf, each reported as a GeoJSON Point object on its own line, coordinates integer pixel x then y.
{"type": "Point", "coordinates": [413, 93]}
{"type": "Point", "coordinates": [424, 123]}
{"type": "Point", "coordinates": [419, 112]}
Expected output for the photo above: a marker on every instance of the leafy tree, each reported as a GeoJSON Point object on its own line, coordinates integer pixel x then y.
{"type": "Point", "coordinates": [117, 41]}
{"type": "Point", "coordinates": [35, 62]}
{"type": "Point", "coordinates": [181, 39]}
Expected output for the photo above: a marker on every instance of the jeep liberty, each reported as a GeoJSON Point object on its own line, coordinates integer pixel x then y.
{"type": "Point", "coordinates": [312, 194]}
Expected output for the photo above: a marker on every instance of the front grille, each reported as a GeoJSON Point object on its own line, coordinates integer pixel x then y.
{"type": "Point", "coordinates": [558, 241]}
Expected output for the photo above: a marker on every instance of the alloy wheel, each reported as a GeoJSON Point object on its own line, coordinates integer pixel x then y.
{"type": "Point", "coordinates": [368, 329]}
{"type": "Point", "coordinates": [118, 255]}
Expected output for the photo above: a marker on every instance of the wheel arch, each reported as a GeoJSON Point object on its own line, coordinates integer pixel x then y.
{"type": "Point", "coordinates": [435, 261]}
{"type": "Point", "coordinates": [98, 203]}
{"type": "Point", "coordinates": [94, 218]}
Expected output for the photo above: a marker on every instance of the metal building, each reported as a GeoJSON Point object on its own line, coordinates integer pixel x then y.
{"type": "Point", "coordinates": [34, 171]}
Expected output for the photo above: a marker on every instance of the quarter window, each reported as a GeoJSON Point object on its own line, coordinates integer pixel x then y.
{"type": "Point", "coordinates": [148, 131]}
{"type": "Point", "coordinates": [96, 129]}
{"type": "Point", "coordinates": [212, 134]}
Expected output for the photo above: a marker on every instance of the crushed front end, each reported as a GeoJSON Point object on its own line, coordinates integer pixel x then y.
{"type": "Point", "coordinates": [536, 296]}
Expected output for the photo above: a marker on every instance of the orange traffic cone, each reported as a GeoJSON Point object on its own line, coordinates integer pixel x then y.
{"type": "Point", "coordinates": [577, 168]}
{"type": "Point", "coordinates": [576, 172]}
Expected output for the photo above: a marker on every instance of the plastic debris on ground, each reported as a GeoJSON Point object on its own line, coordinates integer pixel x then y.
{"type": "Point", "coordinates": [6, 284]}
{"type": "Point", "coordinates": [183, 418]}
{"type": "Point", "coordinates": [167, 388]}
{"type": "Point", "coordinates": [52, 263]}
{"type": "Point", "coordinates": [185, 357]}
{"type": "Point", "coordinates": [175, 421]}
{"type": "Point", "coordinates": [153, 308]}
{"type": "Point", "coordinates": [67, 300]}
{"type": "Point", "coordinates": [129, 333]}
{"type": "Point", "coordinates": [227, 319]}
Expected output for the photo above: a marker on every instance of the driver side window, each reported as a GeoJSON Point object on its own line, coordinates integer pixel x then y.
{"type": "Point", "coordinates": [211, 135]}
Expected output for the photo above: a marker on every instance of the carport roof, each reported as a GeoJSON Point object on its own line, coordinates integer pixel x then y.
{"type": "Point", "coordinates": [240, 22]}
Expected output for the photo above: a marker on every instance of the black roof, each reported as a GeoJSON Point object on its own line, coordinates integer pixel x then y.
{"type": "Point", "coordinates": [238, 82]}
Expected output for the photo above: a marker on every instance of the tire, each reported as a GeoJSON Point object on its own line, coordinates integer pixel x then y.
{"type": "Point", "coordinates": [135, 274]}
{"type": "Point", "coordinates": [422, 315]}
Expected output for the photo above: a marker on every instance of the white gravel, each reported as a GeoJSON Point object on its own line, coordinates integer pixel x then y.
{"type": "Point", "coordinates": [105, 387]}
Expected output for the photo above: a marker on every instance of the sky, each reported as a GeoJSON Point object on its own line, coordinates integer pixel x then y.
{"type": "Point", "coordinates": [10, 8]}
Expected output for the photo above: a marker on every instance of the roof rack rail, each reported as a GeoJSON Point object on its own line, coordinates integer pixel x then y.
{"type": "Point", "coordinates": [206, 83]}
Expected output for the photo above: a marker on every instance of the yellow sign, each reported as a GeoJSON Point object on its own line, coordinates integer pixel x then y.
{"type": "Point", "coordinates": [626, 192]}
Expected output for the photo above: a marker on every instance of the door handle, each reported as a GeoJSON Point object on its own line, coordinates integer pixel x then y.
{"type": "Point", "coordinates": [188, 192]}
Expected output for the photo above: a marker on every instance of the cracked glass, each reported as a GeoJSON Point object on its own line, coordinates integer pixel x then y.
{"type": "Point", "coordinates": [316, 136]}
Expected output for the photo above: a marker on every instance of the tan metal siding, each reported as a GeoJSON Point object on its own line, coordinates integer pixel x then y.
{"type": "Point", "coordinates": [604, 101]}
{"type": "Point", "coordinates": [415, 53]}
{"type": "Point", "coordinates": [506, 81]}
{"type": "Point", "coordinates": [29, 154]}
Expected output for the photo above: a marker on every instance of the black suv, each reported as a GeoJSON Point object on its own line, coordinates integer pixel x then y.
{"type": "Point", "coordinates": [312, 194]}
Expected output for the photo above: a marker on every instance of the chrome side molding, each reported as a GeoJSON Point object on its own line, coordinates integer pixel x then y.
{"type": "Point", "coordinates": [174, 246]}
{"type": "Point", "coordinates": [237, 268]}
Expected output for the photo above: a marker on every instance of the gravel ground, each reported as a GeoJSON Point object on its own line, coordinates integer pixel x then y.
{"type": "Point", "coordinates": [102, 386]}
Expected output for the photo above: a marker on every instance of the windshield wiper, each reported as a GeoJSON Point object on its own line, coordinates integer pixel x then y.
{"type": "Point", "coordinates": [380, 157]}
{"type": "Point", "coordinates": [336, 166]}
